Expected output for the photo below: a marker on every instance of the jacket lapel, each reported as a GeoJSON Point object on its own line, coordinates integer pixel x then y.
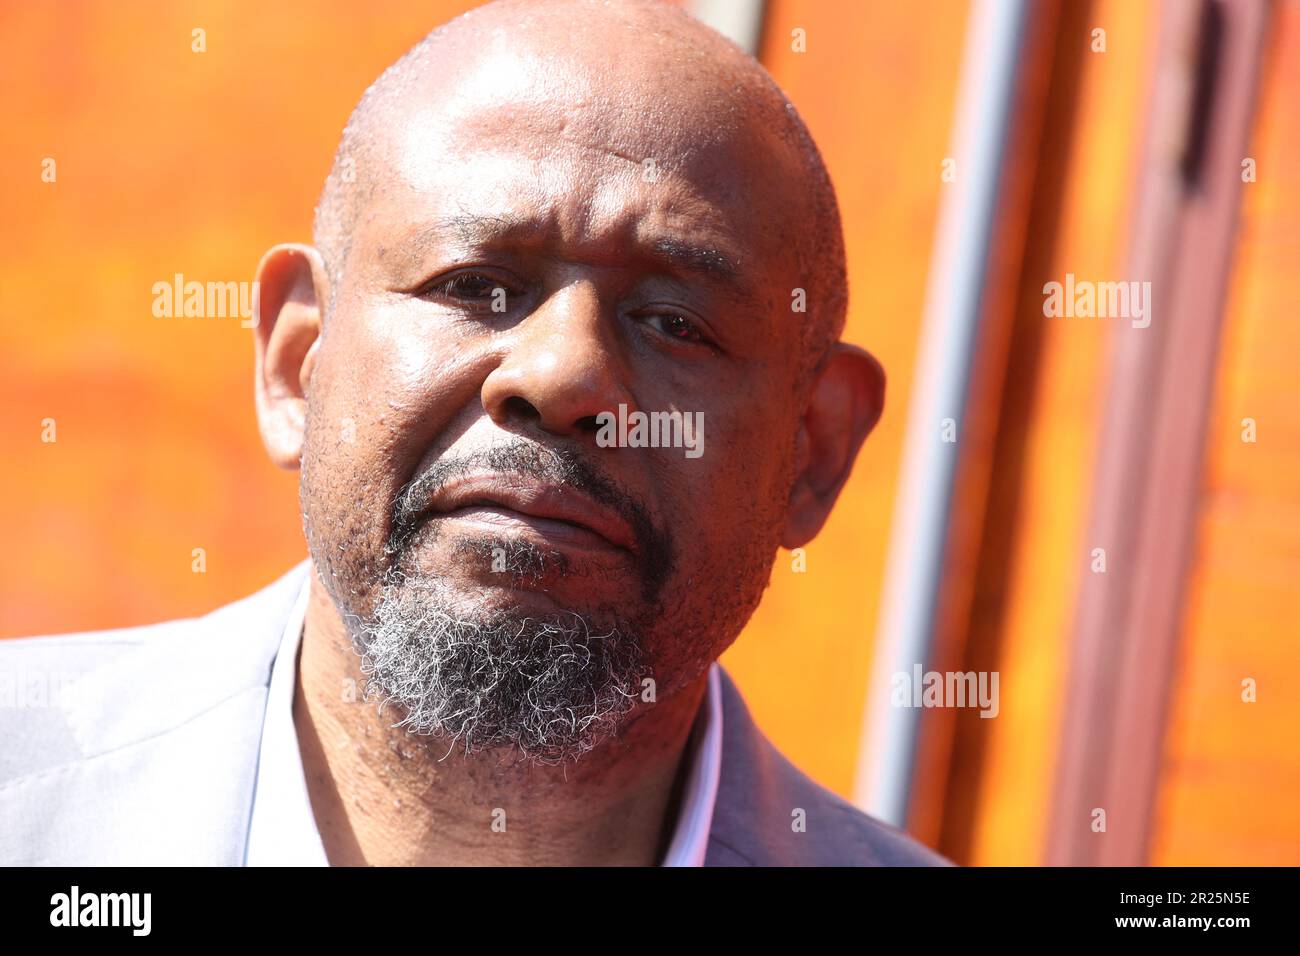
{"type": "Point", "coordinates": [167, 736]}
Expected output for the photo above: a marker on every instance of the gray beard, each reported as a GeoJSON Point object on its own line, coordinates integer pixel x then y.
{"type": "Point", "coordinates": [542, 688]}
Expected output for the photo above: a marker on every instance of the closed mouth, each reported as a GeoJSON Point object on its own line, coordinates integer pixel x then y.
{"type": "Point", "coordinates": [557, 513]}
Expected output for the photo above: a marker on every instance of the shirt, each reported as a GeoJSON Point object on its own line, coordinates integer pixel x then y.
{"type": "Point", "coordinates": [282, 829]}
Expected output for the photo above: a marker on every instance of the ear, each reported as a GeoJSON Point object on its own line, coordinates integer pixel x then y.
{"type": "Point", "coordinates": [845, 404]}
{"type": "Point", "coordinates": [292, 285]}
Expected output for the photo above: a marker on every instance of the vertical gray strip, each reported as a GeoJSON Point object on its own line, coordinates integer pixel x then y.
{"type": "Point", "coordinates": [958, 265]}
{"type": "Point", "coordinates": [740, 21]}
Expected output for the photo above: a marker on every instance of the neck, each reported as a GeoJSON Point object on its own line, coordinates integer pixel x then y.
{"type": "Point", "coordinates": [382, 796]}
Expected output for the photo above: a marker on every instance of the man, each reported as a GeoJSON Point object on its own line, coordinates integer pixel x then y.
{"type": "Point", "coordinates": [547, 225]}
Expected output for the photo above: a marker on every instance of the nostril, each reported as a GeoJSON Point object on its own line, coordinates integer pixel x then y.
{"type": "Point", "coordinates": [589, 424]}
{"type": "Point", "coordinates": [516, 407]}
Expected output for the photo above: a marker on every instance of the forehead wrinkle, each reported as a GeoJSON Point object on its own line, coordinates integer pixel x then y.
{"type": "Point", "coordinates": [709, 261]}
{"type": "Point", "coordinates": [574, 209]}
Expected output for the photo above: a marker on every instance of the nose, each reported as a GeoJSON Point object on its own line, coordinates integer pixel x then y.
{"type": "Point", "coordinates": [563, 367]}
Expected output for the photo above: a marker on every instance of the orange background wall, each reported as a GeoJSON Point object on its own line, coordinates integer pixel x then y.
{"type": "Point", "coordinates": [1230, 792]}
{"type": "Point", "coordinates": [172, 162]}
{"type": "Point", "coordinates": [1230, 773]}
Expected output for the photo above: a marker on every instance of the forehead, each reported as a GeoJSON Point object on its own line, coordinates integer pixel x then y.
{"type": "Point", "coordinates": [592, 153]}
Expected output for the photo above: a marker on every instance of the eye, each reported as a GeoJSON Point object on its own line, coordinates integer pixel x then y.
{"type": "Point", "coordinates": [475, 289]}
{"type": "Point", "coordinates": [676, 326]}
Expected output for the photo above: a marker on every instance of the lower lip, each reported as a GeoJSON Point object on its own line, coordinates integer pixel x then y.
{"type": "Point", "coordinates": [548, 531]}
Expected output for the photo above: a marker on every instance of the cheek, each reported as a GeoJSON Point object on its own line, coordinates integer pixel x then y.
{"type": "Point", "coordinates": [730, 498]}
{"type": "Point", "coordinates": [390, 383]}
{"type": "Point", "coordinates": [375, 406]}
{"type": "Point", "coordinates": [730, 513]}
{"type": "Point", "coordinates": [342, 494]}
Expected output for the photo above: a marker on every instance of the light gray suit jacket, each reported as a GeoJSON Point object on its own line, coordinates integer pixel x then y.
{"type": "Point", "coordinates": [140, 746]}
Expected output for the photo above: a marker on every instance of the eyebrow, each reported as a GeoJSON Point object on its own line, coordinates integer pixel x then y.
{"type": "Point", "coordinates": [707, 261]}
{"type": "Point", "coordinates": [479, 230]}
{"type": "Point", "coordinates": [704, 260]}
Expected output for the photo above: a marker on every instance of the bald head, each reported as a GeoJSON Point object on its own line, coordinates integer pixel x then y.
{"type": "Point", "coordinates": [641, 79]}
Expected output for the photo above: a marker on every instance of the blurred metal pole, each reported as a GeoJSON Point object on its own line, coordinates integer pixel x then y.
{"type": "Point", "coordinates": [740, 21]}
{"type": "Point", "coordinates": [958, 267]}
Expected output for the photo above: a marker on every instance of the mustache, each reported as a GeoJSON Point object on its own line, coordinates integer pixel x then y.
{"type": "Point", "coordinates": [558, 465]}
